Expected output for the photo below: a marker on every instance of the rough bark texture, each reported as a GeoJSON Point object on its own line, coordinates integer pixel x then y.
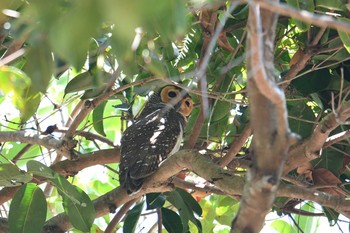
{"type": "Point", "coordinates": [268, 120]}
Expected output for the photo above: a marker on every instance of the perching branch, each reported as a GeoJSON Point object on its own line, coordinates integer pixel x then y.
{"type": "Point", "coordinates": [227, 181]}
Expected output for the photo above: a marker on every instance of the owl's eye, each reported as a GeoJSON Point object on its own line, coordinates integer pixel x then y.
{"type": "Point", "coordinates": [172, 94]}
{"type": "Point", "coordinates": [187, 103]}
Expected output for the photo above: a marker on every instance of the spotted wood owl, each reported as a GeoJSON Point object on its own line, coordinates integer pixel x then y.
{"type": "Point", "coordinates": [155, 135]}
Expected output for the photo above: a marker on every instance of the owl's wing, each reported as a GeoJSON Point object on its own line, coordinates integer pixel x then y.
{"type": "Point", "coordinates": [146, 143]}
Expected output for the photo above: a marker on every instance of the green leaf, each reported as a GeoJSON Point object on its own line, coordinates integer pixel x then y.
{"type": "Point", "coordinates": [11, 176]}
{"type": "Point", "coordinates": [28, 210]}
{"type": "Point", "coordinates": [87, 82]}
{"type": "Point", "coordinates": [132, 218]}
{"type": "Point", "coordinates": [39, 66]}
{"type": "Point", "coordinates": [175, 199]}
{"type": "Point", "coordinates": [76, 204]}
{"type": "Point", "coordinates": [81, 214]}
{"type": "Point", "coordinates": [97, 118]}
{"type": "Point", "coordinates": [18, 86]}
{"type": "Point", "coordinates": [281, 226]}
{"type": "Point", "coordinates": [331, 215]}
{"type": "Point", "coordinates": [81, 82]}
{"type": "Point", "coordinates": [39, 169]}
{"type": "Point", "coordinates": [306, 223]}
{"type": "Point", "coordinates": [73, 46]}
{"type": "Point", "coordinates": [330, 159]}
{"type": "Point", "coordinates": [221, 109]}
{"type": "Point", "coordinates": [171, 221]}
{"type": "Point", "coordinates": [13, 80]}
{"type": "Point", "coordinates": [302, 117]}
{"type": "Point", "coordinates": [154, 200]}
{"type": "Point", "coordinates": [307, 5]}
{"type": "Point", "coordinates": [186, 214]}
{"type": "Point", "coordinates": [30, 104]}
{"type": "Point", "coordinates": [92, 93]}
{"type": "Point", "coordinates": [344, 36]}
{"type": "Point", "coordinates": [190, 201]}
{"type": "Point", "coordinates": [313, 82]}
{"type": "Point", "coordinates": [225, 210]}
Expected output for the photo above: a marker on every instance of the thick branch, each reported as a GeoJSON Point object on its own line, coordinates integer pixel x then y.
{"type": "Point", "coordinates": [311, 147]}
{"type": "Point", "coordinates": [227, 181]}
{"type": "Point", "coordinates": [269, 122]}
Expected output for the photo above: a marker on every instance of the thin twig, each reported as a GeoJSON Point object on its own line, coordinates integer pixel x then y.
{"type": "Point", "coordinates": [160, 220]}
{"type": "Point", "coordinates": [11, 57]}
{"type": "Point", "coordinates": [118, 216]}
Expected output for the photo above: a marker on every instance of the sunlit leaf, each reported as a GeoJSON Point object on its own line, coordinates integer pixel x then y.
{"type": "Point", "coordinates": [302, 5]}
{"type": "Point", "coordinates": [28, 210]}
{"type": "Point", "coordinates": [39, 169]}
{"type": "Point", "coordinates": [281, 226]}
{"type": "Point", "coordinates": [306, 223]}
{"type": "Point", "coordinates": [76, 203]}
{"type": "Point", "coordinates": [97, 117]}
{"type": "Point", "coordinates": [344, 36]}
{"type": "Point", "coordinates": [17, 85]}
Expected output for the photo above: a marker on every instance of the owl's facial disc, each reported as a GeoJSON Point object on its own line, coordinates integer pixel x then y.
{"type": "Point", "coordinates": [186, 106]}
{"type": "Point", "coordinates": [181, 101]}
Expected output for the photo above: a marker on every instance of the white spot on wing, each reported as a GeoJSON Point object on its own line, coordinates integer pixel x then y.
{"type": "Point", "coordinates": [178, 142]}
{"type": "Point", "coordinates": [156, 133]}
{"type": "Point", "coordinates": [153, 139]}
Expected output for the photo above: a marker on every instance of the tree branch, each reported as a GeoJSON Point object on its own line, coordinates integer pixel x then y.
{"type": "Point", "coordinates": [236, 146]}
{"type": "Point", "coordinates": [70, 168]}
{"type": "Point", "coordinates": [118, 216]}
{"type": "Point", "coordinates": [306, 16]}
{"type": "Point", "coordinates": [64, 147]}
{"type": "Point", "coordinates": [269, 122]}
{"type": "Point", "coordinates": [227, 181]}
{"type": "Point", "coordinates": [310, 148]}
{"type": "Point", "coordinates": [88, 106]}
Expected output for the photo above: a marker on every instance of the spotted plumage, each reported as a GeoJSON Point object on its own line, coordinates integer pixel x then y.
{"type": "Point", "coordinates": [155, 135]}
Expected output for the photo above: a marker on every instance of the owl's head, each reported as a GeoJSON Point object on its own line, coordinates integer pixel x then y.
{"type": "Point", "coordinates": [178, 98]}
{"type": "Point", "coordinates": [171, 96]}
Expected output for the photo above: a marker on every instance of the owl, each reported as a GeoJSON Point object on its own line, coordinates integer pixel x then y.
{"type": "Point", "coordinates": [155, 135]}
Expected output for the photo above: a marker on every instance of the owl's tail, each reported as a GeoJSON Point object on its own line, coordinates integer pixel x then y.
{"type": "Point", "coordinates": [132, 185]}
